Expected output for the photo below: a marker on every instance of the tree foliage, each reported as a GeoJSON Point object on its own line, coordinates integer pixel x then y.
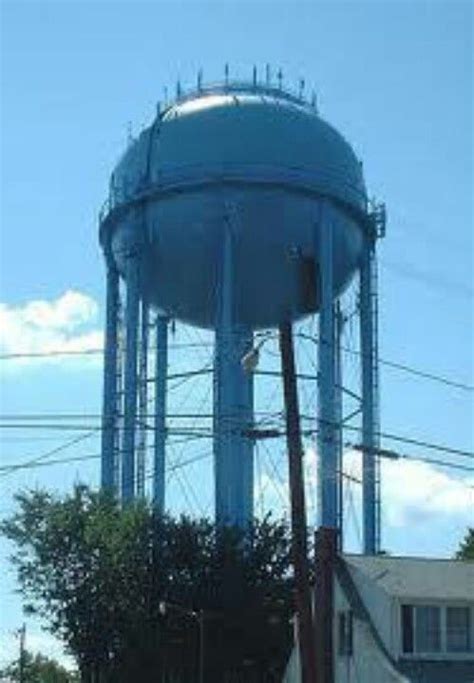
{"type": "Point", "coordinates": [466, 549]}
{"type": "Point", "coordinates": [38, 669]}
{"type": "Point", "coordinates": [97, 574]}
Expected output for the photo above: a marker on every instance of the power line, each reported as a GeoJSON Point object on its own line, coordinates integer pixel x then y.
{"type": "Point", "coordinates": [91, 351]}
{"type": "Point", "coordinates": [208, 431]}
{"type": "Point", "coordinates": [395, 365]}
{"type": "Point", "coordinates": [401, 366]}
{"type": "Point", "coordinates": [439, 463]}
{"type": "Point", "coordinates": [394, 455]}
{"type": "Point", "coordinates": [97, 416]}
{"type": "Point", "coordinates": [401, 439]}
{"type": "Point", "coordinates": [58, 449]}
{"type": "Point", "coordinates": [7, 469]}
{"type": "Point", "coordinates": [427, 277]}
{"type": "Point", "coordinates": [60, 461]}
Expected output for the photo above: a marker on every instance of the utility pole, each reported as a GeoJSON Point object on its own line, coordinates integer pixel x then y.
{"type": "Point", "coordinates": [165, 607]}
{"type": "Point", "coordinates": [201, 646]}
{"type": "Point", "coordinates": [326, 553]}
{"type": "Point", "coordinates": [298, 510]}
{"type": "Point", "coordinates": [21, 662]}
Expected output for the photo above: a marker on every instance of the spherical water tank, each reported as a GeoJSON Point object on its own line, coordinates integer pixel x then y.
{"type": "Point", "coordinates": [258, 163]}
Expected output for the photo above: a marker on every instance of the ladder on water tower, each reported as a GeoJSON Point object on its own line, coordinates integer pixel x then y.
{"type": "Point", "coordinates": [376, 390]}
{"type": "Point", "coordinates": [379, 222]}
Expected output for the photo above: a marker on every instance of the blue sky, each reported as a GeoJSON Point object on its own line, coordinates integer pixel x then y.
{"type": "Point", "coordinates": [394, 77]}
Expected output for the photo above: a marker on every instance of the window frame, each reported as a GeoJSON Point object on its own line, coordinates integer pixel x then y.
{"type": "Point", "coordinates": [345, 633]}
{"type": "Point", "coordinates": [444, 653]}
{"type": "Point", "coordinates": [416, 632]}
{"type": "Point", "coordinates": [469, 628]}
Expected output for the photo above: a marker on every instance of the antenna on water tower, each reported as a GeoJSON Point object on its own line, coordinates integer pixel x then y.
{"type": "Point", "coordinates": [302, 84]}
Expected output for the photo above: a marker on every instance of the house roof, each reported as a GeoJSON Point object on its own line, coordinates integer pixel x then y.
{"type": "Point", "coordinates": [416, 578]}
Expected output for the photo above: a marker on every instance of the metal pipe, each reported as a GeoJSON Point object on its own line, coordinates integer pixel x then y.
{"type": "Point", "coordinates": [130, 378]}
{"type": "Point", "coordinates": [109, 406]}
{"type": "Point", "coordinates": [339, 325]}
{"type": "Point", "coordinates": [233, 404]}
{"type": "Point", "coordinates": [161, 369]}
{"type": "Point", "coordinates": [142, 398]}
{"type": "Point", "coordinates": [298, 508]}
{"type": "Point", "coordinates": [327, 418]}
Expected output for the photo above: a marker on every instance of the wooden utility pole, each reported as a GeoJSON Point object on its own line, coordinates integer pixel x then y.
{"type": "Point", "coordinates": [326, 551]}
{"type": "Point", "coordinates": [306, 641]}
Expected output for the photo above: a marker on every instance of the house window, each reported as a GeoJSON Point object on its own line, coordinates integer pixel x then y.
{"type": "Point", "coordinates": [458, 629]}
{"type": "Point", "coordinates": [407, 629]}
{"type": "Point", "coordinates": [345, 633]}
{"type": "Point", "coordinates": [427, 629]}
{"type": "Point", "coordinates": [431, 629]}
{"type": "Point", "coordinates": [421, 629]}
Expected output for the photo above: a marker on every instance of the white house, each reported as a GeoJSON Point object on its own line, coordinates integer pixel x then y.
{"type": "Point", "coordinates": [401, 619]}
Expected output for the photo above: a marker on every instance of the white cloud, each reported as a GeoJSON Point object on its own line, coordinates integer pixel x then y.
{"type": "Point", "coordinates": [68, 323]}
{"type": "Point", "coordinates": [413, 490]}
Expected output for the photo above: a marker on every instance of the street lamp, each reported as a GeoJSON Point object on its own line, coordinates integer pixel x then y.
{"type": "Point", "coordinates": [165, 607]}
{"type": "Point", "coordinates": [251, 359]}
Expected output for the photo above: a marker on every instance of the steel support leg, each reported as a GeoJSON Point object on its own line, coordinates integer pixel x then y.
{"type": "Point", "coordinates": [327, 418]}
{"type": "Point", "coordinates": [161, 370]}
{"type": "Point", "coordinates": [369, 362]}
{"type": "Point", "coordinates": [109, 412]}
{"type": "Point", "coordinates": [130, 378]}
{"type": "Point", "coordinates": [142, 424]}
{"type": "Point", "coordinates": [233, 406]}
{"type": "Point", "coordinates": [338, 428]}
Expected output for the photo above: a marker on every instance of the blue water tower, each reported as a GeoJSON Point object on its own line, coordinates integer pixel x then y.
{"type": "Point", "coordinates": [237, 209]}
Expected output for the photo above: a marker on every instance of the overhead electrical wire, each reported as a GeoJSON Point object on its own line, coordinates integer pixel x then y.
{"type": "Point", "coordinates": [36, 423]}
{"type": "Point", "coordinates": [32, 464]}
{"type": "Point", "coordinates": [402, 367]}
{"type": "Point", "coordinates": [91, 351]}
{"type": "Point", "coordinates": [395, 365]}
{"type": "Point", "coordinates": [57, 449]}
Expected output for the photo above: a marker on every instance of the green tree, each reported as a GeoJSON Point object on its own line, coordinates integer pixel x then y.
{"type": "Point", "coordinates": [67, 558]}
{"type": "Point", "coordinates": [466, 549]}
{"type": "Point", "coordinates": [38, 669]}
{"type": "Point", "coordinates": [98, 574]}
